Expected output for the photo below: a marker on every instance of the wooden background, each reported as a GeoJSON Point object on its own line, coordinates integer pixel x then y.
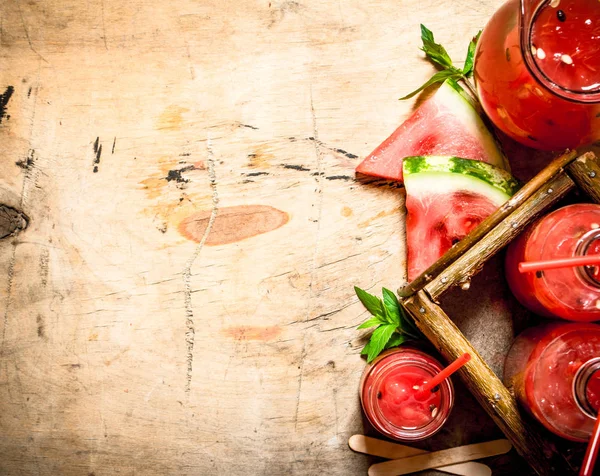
{"type": "Point", "coordinates": [182, 300]}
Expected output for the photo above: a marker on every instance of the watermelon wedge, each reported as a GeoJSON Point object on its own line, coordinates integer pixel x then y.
{"type": "Point", "coordinates": [446, 197]}
{"type": "Point", "coordinates": [446, 124]}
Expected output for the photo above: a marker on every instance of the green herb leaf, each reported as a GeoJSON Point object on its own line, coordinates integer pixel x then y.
{"type": "Point", "coordinates": [365, 350]}
{"type": "Point", "coordinates": [437, 54]}
{"type": "Point", "coordinates": [396, 340]}
{"type": "Point", "coordinates": [372, 303]}
{"type": "Point", "coordinates": [468, 67]}
{"type": "Point", "coordinates": [379, 339]}
{"type": "Point", "coordinates": [434, 51]}
{"type": "Point", "coordinates": [390, 303]}
{"type": "Point", "coordinates": [374, 321]}
{"type": "Point", "coordinates": [438, 77]}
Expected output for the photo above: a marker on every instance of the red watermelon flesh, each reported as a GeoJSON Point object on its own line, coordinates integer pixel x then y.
{"type": "Point", "coordinates": [446, 198]}
{"type": "Point", "coordinates": [445, 124]}
{"type": "Point", "coordinates": [438, 221]}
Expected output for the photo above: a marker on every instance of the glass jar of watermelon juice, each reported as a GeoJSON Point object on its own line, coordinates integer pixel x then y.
{"type": "Point", "coordinates": [390, 397]}
{"type": "Point", "coordinates": [570, 293]}
{"type": "Point", "coordinates": [537, 72]}
{"type": "Point", "coordinates": [554, 372]}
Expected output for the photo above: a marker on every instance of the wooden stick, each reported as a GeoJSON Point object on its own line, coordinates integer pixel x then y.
{"type": "Point", "coordinates": [475, 257]}
{"type": "Point", "coordinates": [486, 387]}
{"type": "Point", "coordinates": [555, 167]}
{"type": "Point", "coordinates": [385, 449]}
{"type": "Point", "coordinates": [436, 459]}
{"type": "Point", "coordinates": [585, 171]}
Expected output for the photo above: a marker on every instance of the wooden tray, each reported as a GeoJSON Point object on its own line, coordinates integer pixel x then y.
{"type": "Point", "coordinates": [420, 298]}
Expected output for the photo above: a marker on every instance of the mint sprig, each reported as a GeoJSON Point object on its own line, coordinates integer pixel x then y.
{"type": "Point", "coordinates": [437, 54]}
{"type": "Point", "coordinates": [392, 326]}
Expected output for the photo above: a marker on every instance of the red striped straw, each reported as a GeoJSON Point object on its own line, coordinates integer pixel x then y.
{"type": "Point", "coordinates": [445, 373]}
{"type": "Point", "coordinates": [531, 266]}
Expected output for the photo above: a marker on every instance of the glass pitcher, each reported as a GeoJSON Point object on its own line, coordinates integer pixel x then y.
{"type": "Point", "coordinates": [537, 72]}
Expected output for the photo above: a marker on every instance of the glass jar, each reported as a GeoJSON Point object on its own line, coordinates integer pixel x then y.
{"type": "Point", "coordinates": [537, 72]}
{"type": "Point", "coordinates": [553, 371]}
{"type": "Point", "coordinates": [389, 394]}
{"type": "Point", "coordinates": [570, 293]}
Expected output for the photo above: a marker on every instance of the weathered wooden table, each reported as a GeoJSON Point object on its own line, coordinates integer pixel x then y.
{"type": "Point", "coordinates": [181, 300]}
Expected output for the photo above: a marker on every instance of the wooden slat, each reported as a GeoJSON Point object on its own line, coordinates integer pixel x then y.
{"type": "Point", "coordinates": [585, 172]}
{"type": "Point", "coordinates": [485, 386]}
{"type": "Point", "coordinates": [554, 168]}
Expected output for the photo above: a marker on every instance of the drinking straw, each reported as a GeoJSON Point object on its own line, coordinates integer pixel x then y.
{"type": "Point", "coordinates": [587, 467]}
{"type": "Point", "coordinates": [531, 266]}
{"type": "Point", "coordinates": [445, 373]}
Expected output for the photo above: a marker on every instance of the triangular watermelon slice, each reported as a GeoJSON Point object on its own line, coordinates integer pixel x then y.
{"type": "Point", "coordinates": [446, 124]}
{"type": "Point", "coordinates": [446, 197]}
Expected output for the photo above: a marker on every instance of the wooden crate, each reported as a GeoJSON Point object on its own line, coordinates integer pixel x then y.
{"type": "Point", "coordinates": [420, 299]}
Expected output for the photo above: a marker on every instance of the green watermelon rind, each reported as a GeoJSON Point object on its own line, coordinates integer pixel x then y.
{"type": "Point", "coordinates": [465, 110]}
{"type": "Point", "coordinates": [443, 174]}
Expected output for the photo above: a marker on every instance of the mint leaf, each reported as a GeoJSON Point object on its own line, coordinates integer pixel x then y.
{"type": "Point", "coordinates": [366, 348]}
{"type": "Point", "coordinates": [393, 326]}
{"type": "Point", "coordinates": [372, 303]}
{"type": "Point", "coordinates": [468, 67]}
{"type": "Point", "coordinates": [437, 54]}
{"type": "Point", "coordinates": [390, 303]}
{"type": "Point", "coordinates": [434, 51]}
{"type": "Point", "coordinates": [396, 340]}
{"type": "Point", "coordinates": [374, 321]}
{"type": "Point", "coordinates": [379, 339]}
{"type": "Point", "coordinates": [438, 77]}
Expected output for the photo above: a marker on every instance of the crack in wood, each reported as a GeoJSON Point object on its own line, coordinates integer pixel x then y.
{"type": "Point", "coordinates": [313, 271]}
{"type": "Point", "coordinates": [187, 271]}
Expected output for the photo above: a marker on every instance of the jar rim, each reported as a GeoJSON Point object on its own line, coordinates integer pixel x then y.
{"type": "Point", "coordinates": [526, 20]}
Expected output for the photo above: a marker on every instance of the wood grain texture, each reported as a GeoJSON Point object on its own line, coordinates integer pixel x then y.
{"type": "Point", "coordinates": [127, 348]}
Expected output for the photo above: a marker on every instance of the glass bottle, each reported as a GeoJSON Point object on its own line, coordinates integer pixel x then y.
{"type": "Point", "coordinates": [569, 293]}
{"type": "Point", "coordinates": [553, 371]}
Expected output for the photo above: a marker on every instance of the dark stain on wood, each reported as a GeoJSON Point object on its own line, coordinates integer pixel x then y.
{"type": "Point", "coordinates": [12, 221]}
{"type": "Point", "coordinates": [175, 174]}
{"type": "Point", "coordinates": [233, 224]}
{"type": "Point", "coordinates": [248, 126]}
{"type": "Point", "coordinates": [339, 177]}
{"type": "Point", "coordinates": [41, 326]}
{"type": "Point", "coordinates": [114, 144]}
{"type": "Point", "coordinates": [4, 98]}
{"type": "Point", "coordinates": [28, 162]}
{"type": "Point", "coordinates": [259, 333]}
{"type": "Point", "coordinates": [347, 154]}
{"type": "Point", "coordinates": [97, 154]}
{"type": "Point", "coordinates": [256, 174]}
{"type": "Point", "coordinates": [300, 168]}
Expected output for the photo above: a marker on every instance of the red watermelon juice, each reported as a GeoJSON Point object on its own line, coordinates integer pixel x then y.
{"type": "Point", "coordinates": [554, 372]}
{"type": "Point", "coordinates": [389, 392]}
{"type": "Point", "coordinates": [569, 293]}
{"type": "Point", "coordinates": [538, 74]}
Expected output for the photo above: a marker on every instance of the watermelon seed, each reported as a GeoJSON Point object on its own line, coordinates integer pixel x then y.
{"type": "Point", "coordinates": [422, 310]}
{"type": "Point", "coordinates": [550, 190]}
{"type": "Point", "coordinates": [561, 15]}
{"type": "Point", "coordinates": [566, 59]}
{"type": "Point", "coordinates": [592, 174]}
{"type": "Point", "coordinates": [539, 274]}
{"type": "Point", "coordinates": [434, 413]}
